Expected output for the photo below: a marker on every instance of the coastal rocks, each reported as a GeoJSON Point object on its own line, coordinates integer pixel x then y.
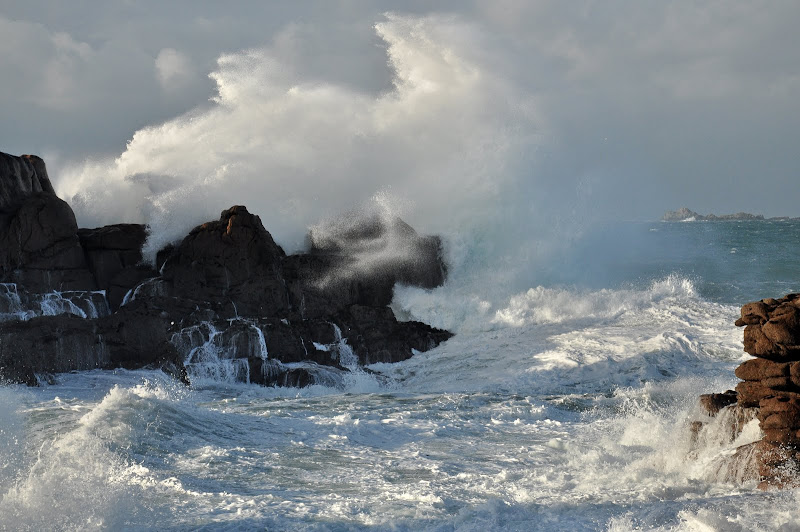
{"type": "Point", "coordinates": [231, 260]}
{"type": "Point", "coordinates": [114, 257]}
{"type": "Point", "coordinates": [770, 386]}
{"type": "Point", "coordinates": [39, 245]}
{"type": "Point", "coordinates": [712, 403]}
{"type": "Point", "coordinates": [20, 179]}
{"type": "Point", "coordinates": [68, 342]}
{"type": "Point", "coordinates": [685, 215]}
{"type": "Point", "coordinates": [357, 260]}
{"type": "Point", "coordinates": [232, 269]}
{"type": "Point", "coordinates": [225, 302]}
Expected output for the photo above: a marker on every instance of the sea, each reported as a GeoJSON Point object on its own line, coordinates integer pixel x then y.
{"type": "Point", "coordinates": [562, 404]}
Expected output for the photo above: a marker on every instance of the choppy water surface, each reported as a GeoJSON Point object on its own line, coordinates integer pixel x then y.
{"type": "Point", "coordinates": [566, 407]}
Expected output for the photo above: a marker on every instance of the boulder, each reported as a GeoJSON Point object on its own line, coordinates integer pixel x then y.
{"type": "Point", "coordinates": [232, 260]}
{"type": "Point", "coordinates": [770, 388]}
{"type": "Point", "coordinates": [758, 369]}
{"type": "Point", "coordinates": [712, 403]}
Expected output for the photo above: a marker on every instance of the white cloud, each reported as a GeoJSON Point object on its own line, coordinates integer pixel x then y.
{"type": "Point", "coordinates": [442, 140]}
{"type": "Point", "coordinates": [173, 69]}
{"type": "Point", "coordinates": [551, 111]}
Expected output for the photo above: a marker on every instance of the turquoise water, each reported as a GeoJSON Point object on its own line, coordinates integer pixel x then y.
{"type": "Point", "coordinates": [728, 262]}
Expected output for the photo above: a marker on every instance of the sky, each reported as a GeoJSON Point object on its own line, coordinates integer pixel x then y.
{"type": "Point", "coordinates": [504, 117]}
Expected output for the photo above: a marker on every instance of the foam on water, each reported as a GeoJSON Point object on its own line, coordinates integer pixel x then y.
{"type": "Point", "coordinates": [74, 473]}
{"type": "Point", "coordinates": [572, 341]}
{"type": "Point", "coordinates": [575, 416]}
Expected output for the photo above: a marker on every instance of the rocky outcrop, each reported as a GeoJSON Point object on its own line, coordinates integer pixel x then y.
{"type": "Point", "coordinates": [686, 215]}
{"type": "Point", "coordinates": [233, 261]}
{"type": "Point", "coordinates": [770, 387]}
{"type": "Point", "coordinates": [225, 302]}
{"type": "Point", "coordinates": [21, 178]}
{"type": "Point", "coordinates": [114, 257]}
{"type": "Point", "coordinates": [39, 245]}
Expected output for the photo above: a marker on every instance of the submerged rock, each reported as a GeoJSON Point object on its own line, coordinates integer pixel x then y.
{"type": "Point", "coordinates": [225, 300]}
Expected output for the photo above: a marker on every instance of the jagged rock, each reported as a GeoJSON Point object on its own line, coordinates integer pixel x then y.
{"type": "Point", "coordinates": [226, 292]}
{"type": "Point", "coordinates": [133, 338]}
{"type": "Point", "coordinates": [771, 386]}
{"type": "Point", "coordinates": [377, 336]}
{"type": "Point", "coordinates": [20, 179]}
{"type": "Point", "coordinates": [39, 245]}
{"type": "Point", "coordinates": [114, 256]}
{"type": "Point", "coordinates": [712, 403]}
{"type": "Point", "coordinates": [234, 259]}
{"type": "Point", "coordinates": [357, 259]}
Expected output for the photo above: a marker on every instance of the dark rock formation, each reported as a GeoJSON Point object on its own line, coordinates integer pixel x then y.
{"type": "Point", "coordinates": [685, 215]}
{"type": "Point", "coordinates": [233, 260]}
{"type": "Point", "coordinates": [39, 245]}
{"type": "Point", "coordinates": [114, 256]}
{"type": "Point", "coordinates": [358, 261]}
{"type": "Point", "coordinates": [770, 387]}
{"type": "Point", "coordinates": [226, 302]}
{"type": "Point", "coordinates": [20, 179]}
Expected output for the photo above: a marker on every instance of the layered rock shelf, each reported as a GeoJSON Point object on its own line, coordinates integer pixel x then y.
{"type": "Point", "coordinates": [769, 391]}
{"type": "Point", "coordinates": [225, 302]}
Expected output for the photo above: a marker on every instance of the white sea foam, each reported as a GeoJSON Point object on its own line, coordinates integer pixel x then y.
{"type": "Point", "coordinates": [553, 407]}
{"type": "Point", "coordinates": [561, 340]}
{"type": "Point", "coordinates": [233, 455]}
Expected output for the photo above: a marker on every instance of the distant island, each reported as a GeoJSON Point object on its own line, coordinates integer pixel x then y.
{"type": "Point", "coordinates": [685, 215]}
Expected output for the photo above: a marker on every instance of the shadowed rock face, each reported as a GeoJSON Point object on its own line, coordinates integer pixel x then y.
{"type": "Point", "coordinates": [231, 260]}
{"type": "Point", "coordinates": [226, 291]}
{"type": "Point", "coordinates": [20, 179]}
{"type": "Point", "coordinates": [39, 245]}
{"type": "Point", "coordinates": [357, 260]}
{"type": "Point", "coordinates": [114, 257]}
{"type": "Point", "coordinates": [770, 387]}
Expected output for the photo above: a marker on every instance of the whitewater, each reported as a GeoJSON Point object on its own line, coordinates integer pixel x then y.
{"type": "Point", "coordinates": [564, 400]}
{"type": "Point", "coordinates": [566, 408]}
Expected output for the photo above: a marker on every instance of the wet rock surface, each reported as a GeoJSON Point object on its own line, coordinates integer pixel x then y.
{"type": "Point", "coordinates": [770, 387]}
{"type": "Point", "coordinates": [114, 256]}
{"type": "Point", "coordinates": [225, 302]}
